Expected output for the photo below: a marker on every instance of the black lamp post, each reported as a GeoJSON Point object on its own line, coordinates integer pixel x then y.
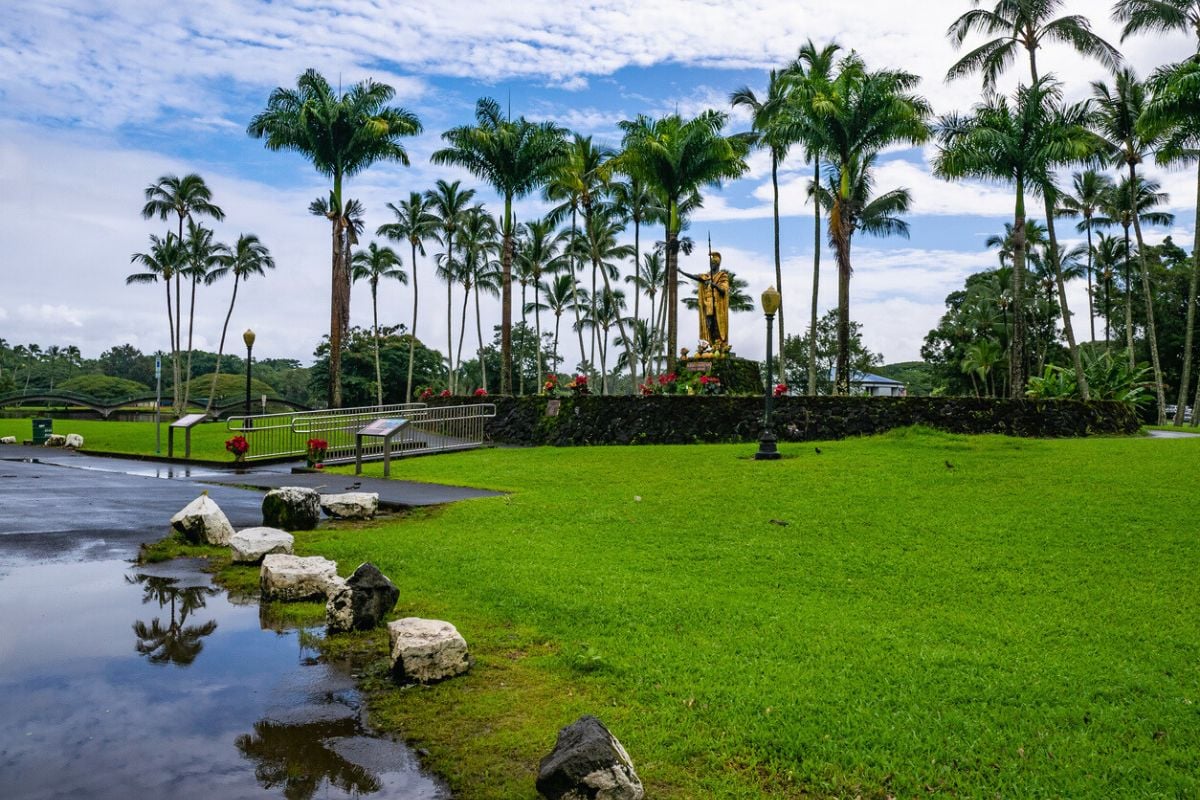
{"type": "Point", "coordinates": [766, 442]}
{"type": "Point", "coordinates": [248, 338]}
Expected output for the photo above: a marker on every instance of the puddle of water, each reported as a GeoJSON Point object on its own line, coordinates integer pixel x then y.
{"type": "Point", "coordinates": [120, 682]}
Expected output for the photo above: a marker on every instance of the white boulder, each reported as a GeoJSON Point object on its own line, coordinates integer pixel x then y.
{"type": "Point", "coordinates": [8, 440]}
{"type": "Point", "coordinates": [288, 578]}
{"type": "Point", "coordinates": [203, 522]}
{"type": "Point", "coordinates": [74, 441]}
{"type": "Point", "coordinates": [56, 440]}
{"type": "Point", "coordinates": [351, 505]}
{"type": "Point", "coordinates": [426, 650]}
{"type": "Point", "coordinates": [252, 545]}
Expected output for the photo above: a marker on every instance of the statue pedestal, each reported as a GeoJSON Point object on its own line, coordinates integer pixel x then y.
{"type": "Point", "coordinates": [738, 375]}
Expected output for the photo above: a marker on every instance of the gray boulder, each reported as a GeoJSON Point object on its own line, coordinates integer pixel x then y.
{"type": "Point", "coordinates": [291, 508]}
{"type": "Point", "coordinates": [588, 763]}
{"type": "Point", "coordinates": [252, 545]}
{"type": "Point", "coordinates": [203, 522]}
{"type": "Point", "coordinates": [290, 578]}
{"type": "Point", "coordinates": [55, 440]}
{"type": "Point", "coordinates": [426, 650]}
{"type": "Point", "coordinates": [351, 505]}
{"type": "Point", "coordinates": [362, 601]}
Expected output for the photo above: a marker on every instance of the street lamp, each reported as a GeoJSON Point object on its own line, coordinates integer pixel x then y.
{"type": "Point", "coordinates": [766, 441]}
{"type": "Point", "coordinates": [248, 338]}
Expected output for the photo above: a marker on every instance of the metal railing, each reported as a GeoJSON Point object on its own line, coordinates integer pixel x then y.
{"type": "Point", "coordinates": [429, 430]}
{"type": "Point", "coordinates": [275, 436]}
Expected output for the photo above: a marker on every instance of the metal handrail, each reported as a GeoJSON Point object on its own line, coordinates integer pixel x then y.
{"type": "Point", "coordinates": [273, 436]}
{"type": "Point", "coordinates": [430, 430]}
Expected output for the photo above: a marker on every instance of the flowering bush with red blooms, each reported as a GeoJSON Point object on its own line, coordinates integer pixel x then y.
{"type": "Point", "coordinates": [579, 385]}
{"type": "Point", "coordinates": [315, 451]}
{"type": "Point", "coordinates": [481, 392]}
{"type": "Point", "coordinates": [445, 393]}
{"type": "Point", "coordinates": [426, 393]}
{"type": "Point", "coordinates": [238, 446]}
{"type": "Point", "coordinates": [550, 385]}
{"type": "Point", "coordinates": [781, 389]}
{"type": "Point", "coordinates": [710, 384]}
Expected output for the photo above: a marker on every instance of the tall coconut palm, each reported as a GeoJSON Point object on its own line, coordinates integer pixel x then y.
{"type": "Point", "coordinates": [810, 75]}
{"type": "Point", "coordinates": [1035, 243]}
{"type": "Point", "coordinates": [372, 265]}
{"type": "Point", "coordinates": [863, 112]}
{"type": "Point", "coordinates": [448, 202]}
{"type": "Point", "coordinates": [1118, 110]}
{"type": "Point", "coordinates": [1107, 259]}
{"type": "Point", "coordinates": [514, 157]}
{"type": "Point", "coordinates": [649, 278]}
{"type": "Point", "coordinates": [249, 257]}
{"type": "Point", "coordinates": [1158, 16]}
{"type": "Point", "coordinates": [1016, 143]}
{"type": "Point", "coordinates": [480, 241]}
{"type": "Point", "coordinates": [560, 293]}
{"type": "Point", "coordinates": [640, 206]}
{"type": "Point", "coordinates": [540, 253]}
{"type": "Point", "coordinates": [603, 313]}
{"type": "Point", "coordinates": [601, 246]}
{"type": "Point", "coordinates": [349, 218]}
{"type": "Point", "coordinates": [202, 254]}
{"type": "Point", "coordinates": [641, 345]}
{"type": "Point", "coordinates": [187, 198]}
{"type": "Point", "coordinates": [415, 222]}
{"type": "Point", "coordinates": [1089, 188]}
{"type": "Point", "coordinates": [773, 127]}
{"type": "Point", "coordinates": [342, 134]}
{"type": "Point", "coordinates": [676, 158]}
{"type": "Point", "coordinates": [1030, 25]}
{"type": "Point", "coordinates": [161, 262]}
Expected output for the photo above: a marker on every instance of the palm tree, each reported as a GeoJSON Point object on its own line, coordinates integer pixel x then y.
{"type": "Point", "coordinates": [603, 227]}
{"type": "Point", "coordinates": [416, 222]}
{"type": "Point", "coordinates": [1017, 144]}
{"type": "Point", "coordinates": [862, 113]}
{"type": "Point", "coordinates": [349, 219]}
{"type": "Point", "coordinates": [1115, 121]}
{"type": "Point", "coordinates": [448, 202]}
{"type": "Point", "coordinates": [540, 253]}
{"type": "Point", "coordinates": [981, 357]}
{"type": "Point", "coordinates": [514, 157]}
{"type": "Point", "coordinates": [249, 257]}
{"type": "Point", "coordinates": [1035, 243]}
{"type": "Point", "coordinates": [604, 312]}
{"type": "Point", "coordinates": [774, 128]}
{"type": "Point", "coordinates": [1089, 190]}
{"type": "Point", "coordinates": [201, 255]}
{"type": "Point", "coordinates": [811, 74]}
{"type": "Point", "coordinates": [372, 265]}
{"type": "Point", "coordinates": [675, 159]}
{"type": "Point", "coordinates": [478, 234]}
{"type": "Point", "coordinates": [342, 134]}
{"type": "Point", "coordinates": [640, 206]}
{"type": "Point", "coordinates": [1107, 258]}
{"type": "Point", "coordinates": [560, 293]}
{"type": "Point", "coordinates": [187, 197]}
{"type": "Point", "coordinates": [1158, 16]}
{"type": "Point", "coordinates": [161, 263]}
{"type": "Point", "coordinates": [650, 275]}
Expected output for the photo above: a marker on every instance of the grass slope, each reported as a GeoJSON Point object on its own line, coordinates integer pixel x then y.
{"type": "Point", "coordinates": [969, 616]}
{"type": "Point", "coordinates": [137, 438]}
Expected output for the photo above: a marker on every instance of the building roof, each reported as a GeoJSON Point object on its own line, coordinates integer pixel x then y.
{"type": "Point", "coordinates": [872, 378]}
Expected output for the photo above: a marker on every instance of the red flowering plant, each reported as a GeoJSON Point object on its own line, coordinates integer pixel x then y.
{"type": "Point", "coordinates": [239, 447]}
{"type": "Point", "coordinates": [579, 385]}
{"type": "Point", "coordinates": [551, 385]}
{"type": "Point", "coordinates": [780, 389]}
{"type": "Point", "coordinates": [445, 393]}
{"type": "Point", "coordinates": [481, 392]}
{"type": "Point", "coordinates": [426, 393]}
{"type": "Point", "coordinates": [710, 384]}
{"type": "Point", "coordinates": [315, 450]}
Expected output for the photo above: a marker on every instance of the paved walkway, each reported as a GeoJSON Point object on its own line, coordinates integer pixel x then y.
{"type": "Point", "coordinates": [1172, 435]}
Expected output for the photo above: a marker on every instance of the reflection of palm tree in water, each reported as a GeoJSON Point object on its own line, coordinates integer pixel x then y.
{"type": "Point", "coordinates": [299, 758]}
{"type": "Point", "coordinates": [174, 643]}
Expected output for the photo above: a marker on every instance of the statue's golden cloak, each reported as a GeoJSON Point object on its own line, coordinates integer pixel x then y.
{"type": "Point", "coordinates": [714, 303]}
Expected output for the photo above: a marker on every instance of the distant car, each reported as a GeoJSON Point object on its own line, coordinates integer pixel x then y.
{"type": "Point", "coordinates": [1171, 409]}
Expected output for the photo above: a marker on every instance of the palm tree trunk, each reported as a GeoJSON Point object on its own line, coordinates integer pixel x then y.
{"type": "Point", "coordinates": [462, 330]}
{"type": "Point", "coordinates": [1150, 334]}
{"type": "Point", "coordinates": [672, 294]}
{"type": "Point", "coordinates": [1068, 328]}
{"type": "Point", "coordinates": [412, 333]}
{"type": "Point", "coordinates": [812, 325]}
{"type": "Point", "coordinates": [479, 334]}
{"type": "Point", "coordinates": [557, 323]}
{"type": "Point", "coordinates": [1186, 374]}
{"type": "Point", "coordinates": [221, 347]}
{"type": "Point", "coordinates": [620, 327]}
{"type": "Point", "coordinates": [842, 245]}
{"type": "Point", "coordinates": [537, 321]}
{"type": "Point", "coordinates": [524, 332]}
{"type": "Point", "coordinates": [375, 325]}
{"type": "Point", "coordinates": [450, 314]}
{"type": "Point", "coordinates": [637, 294]}
{"type": "Point", "coordinates": [1091, 310]}
{"type": "Point", "coordinates": [575, 283]}
{"type": "Point", "coordinates": [1128, 302]}
{"type": "Point", "coordinates": [335, 322]}
{"type": "Point", "coordinates": [176, 372]}
{"type": "Point", "coordinates": [187, 384]}
{"type": "Point", "coordinates": [778, 266]}
{"type": "Point", "coordinates": [1016, 357]}
{"type": "Point", "coordinates": [506, 259]}
{"type": "Point", "coordinates": [171, 331]}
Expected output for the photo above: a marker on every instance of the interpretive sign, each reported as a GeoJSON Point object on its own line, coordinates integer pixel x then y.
{"type": "Point", "coordinates": [186, 423]}
{"type": "Point", "coordinates": [188, 420]}
{"type": "Point", "coordinates": [381, 429]}
{"type": "Point", "coordinates": [552, 407]}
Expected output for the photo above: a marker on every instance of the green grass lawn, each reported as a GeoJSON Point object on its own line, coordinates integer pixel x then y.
{"type": "Point", "coordinates": [105, 436]}
{"type": "Point", "coordinates": [911, 614]}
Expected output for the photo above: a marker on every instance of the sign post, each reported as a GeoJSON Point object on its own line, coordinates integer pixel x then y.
{"type": "Point", "coordinates": [158, 404]}
{"type": "Point", "coordinates": [186, 422]}
{"type": "Point", "coordinates": [383, 429]}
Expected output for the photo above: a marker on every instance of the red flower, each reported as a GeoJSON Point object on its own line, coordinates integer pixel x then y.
{"type": "Point", "coordinates": [481, 392]}
{"type": "Point", "coordinates": [237, 445]}
{"type": "Point", "coordinates": [445, 393]}
{"type": "Point", "coordinates": [780, 390]}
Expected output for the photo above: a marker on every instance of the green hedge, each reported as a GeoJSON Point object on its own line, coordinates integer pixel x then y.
{"type": "Point", "coordinates": [683, 419]}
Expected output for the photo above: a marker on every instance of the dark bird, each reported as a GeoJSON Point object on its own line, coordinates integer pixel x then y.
{"type": "Point", "coordinates": [818, 450]}
{"type": "Point", "coordinates": [949, 465]}
{"type": "Point", "coordinates": [783, 523]}
{"type": "Point", "coordinates": [353, 486]}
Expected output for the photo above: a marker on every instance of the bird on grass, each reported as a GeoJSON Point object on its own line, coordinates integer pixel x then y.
{"type": "Point", "coordinates": [817, 450]}
{"type": "Point", "coordinates": [949, 465]}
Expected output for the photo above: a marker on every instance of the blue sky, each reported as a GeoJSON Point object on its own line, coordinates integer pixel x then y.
{"type": "Point", "coordinates": [97, 101]}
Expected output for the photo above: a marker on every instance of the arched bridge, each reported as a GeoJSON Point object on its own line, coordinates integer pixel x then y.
{"type": "Point", "coordinates": [105, 407]}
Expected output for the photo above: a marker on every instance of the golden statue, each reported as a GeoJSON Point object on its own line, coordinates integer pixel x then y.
{"type": "Point", "coordinates": [713, 303]}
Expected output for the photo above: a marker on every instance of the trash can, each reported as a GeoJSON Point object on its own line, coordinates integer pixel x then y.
{"type": "Point", "coordinates": [42, 428]}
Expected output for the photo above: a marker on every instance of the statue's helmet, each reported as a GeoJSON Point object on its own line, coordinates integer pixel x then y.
{"type": "Point", "coordinates": [714, 259]}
